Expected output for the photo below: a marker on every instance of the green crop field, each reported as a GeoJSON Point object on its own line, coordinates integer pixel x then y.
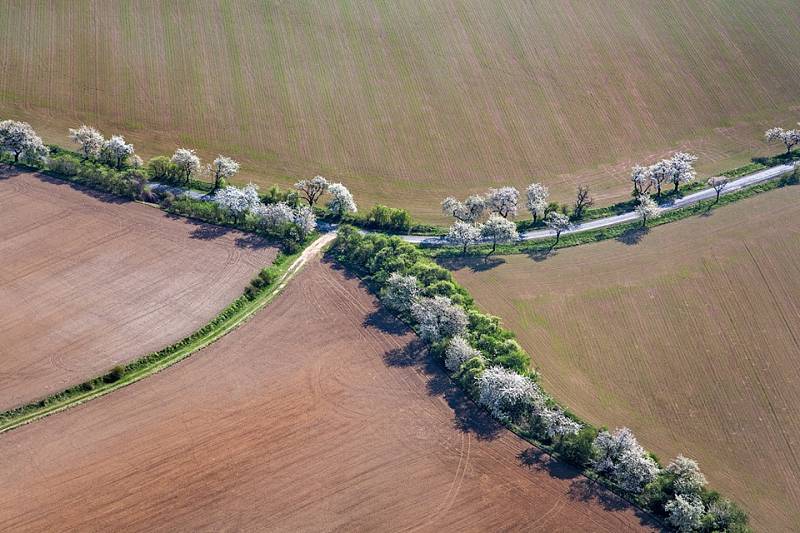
{"type": "Point", "coordinates": [688, 336]}
{"type": "Point", "coordinates": [407, 101]}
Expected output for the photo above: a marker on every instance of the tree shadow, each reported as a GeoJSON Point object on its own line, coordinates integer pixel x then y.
{"type": "Point", "coordinates": [386, 323]}
{"type": "Point", "coordinates": [473, 263]}
{"type": "Point", "coordinates": [633, 236]}
{"type": "Point", "coordinates": [540, 255]}
{"type": "Point", "coordinates": [541, 461]}
{"type": "Point", "coordinates": [252, 241]}
{"type": "Point", "coordinates": [8, 171]}
{"type": "Point", "coordinates": [88, 191]}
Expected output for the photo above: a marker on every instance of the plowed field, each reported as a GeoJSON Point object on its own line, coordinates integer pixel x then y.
{"type": "Point", "coordinates": [409, 101]}
{"type": "Point", "coordinates": [320, 413]}
{"type": "Point", "coordinates": [689, 337]}
{"type": "Point", "coordinates": [87, 282]}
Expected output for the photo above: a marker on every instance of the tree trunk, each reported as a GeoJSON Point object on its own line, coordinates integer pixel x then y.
{"type": "Point", "coordinates": [464, 250]}
{"type": "Point", "coordinates": [718, 192]}
{"type": "Point", "coordinates": [558, 237]}
{"type": "Point", "coordinates": [16, 157]}
{"type": "Point", "coordinates": [677, 184]}
{"type": "Point", "coordinates": [494, 247]}
{"type": "Point", "coordinates": [658, 190]}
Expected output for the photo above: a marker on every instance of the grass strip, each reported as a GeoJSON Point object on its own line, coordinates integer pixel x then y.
{"type": "Point", "coordinates": [234, 315]}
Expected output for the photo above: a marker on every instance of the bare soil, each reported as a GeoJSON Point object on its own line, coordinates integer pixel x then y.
{"type": "Point", "coordinates": [687, 333]}
{"type": "Point", "coordinates": [89, 281]}
{"type": "Point", "coordinates": [320, 413]}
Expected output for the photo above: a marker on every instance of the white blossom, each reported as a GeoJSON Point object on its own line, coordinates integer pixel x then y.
{"type": "Point", "coordinates": [622, 458]}
{"type": "Point", "coordinates": [682, 168]}
{"type": "Point", "coordinates": [557, 424]}
{"type": "Point", "coordinates": [438, 318]}
{"type": "Point", "coordinates": [537, 196]}
{"type": "Point", "coordinates": [688, 478]}
{"type": "Point", "coordinates": [468, 211]}
{"type": "Point", "coordinates": [88, 139]}
{"type": "Point", "coordinates": [503, 201]}
{"type": "Point", "coordinates": [641, 178]}
{"type": "Point", "coordinates": [20, 139]}
{"type": "Point", "coordinates": [187, 161]}
{"type": "Point", "coordinates": [498, 230]}
{"type": "Point", "coordinates": [457, 352]}
{"type": "Point", "coordinates": [238, 201]}
{"type": "Point", "coordinates": [274, 215]}
{"type": "Point", "coordinates": [647, 208]}
{"type": "Point", "coordinates": [685, 512]}
{"type": "Point", "coordinates": [557, 222]}
{"type": "Point", "coordinates": [116, 150]}
{"type": "Point", "coordinates": [788, 137]}
{"type": "Point", "coordinates": [507, 394]}
{"type": "Point", "coordinates": [305, 220]}
{"type": "Point", "coordinates": [312, 189]}
{"type": "Point", "coordinates": [136, 161]}
{"type": "Point", "coordinates": [463, 234]}
{"type": "Point", "coordinates": [341, 201]}
{"type": "Point", "coordinates": [223, 168]}
{"type": "Point", "coordinates": [400, 292]}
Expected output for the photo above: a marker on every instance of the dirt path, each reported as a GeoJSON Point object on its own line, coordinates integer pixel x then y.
{"type": "Point", "coordinates": [320, 413]}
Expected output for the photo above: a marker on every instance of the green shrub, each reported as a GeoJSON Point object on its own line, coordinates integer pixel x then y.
{"type": "Point", "coordinates": [115, 375]}
{"type": "Point", "coordinates": [578, 449]}
{"type": "Point", "coordinates": [65, 164]}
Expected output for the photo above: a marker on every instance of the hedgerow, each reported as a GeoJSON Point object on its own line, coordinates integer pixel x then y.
{"type": "Point", "coordinates": [387, 265]}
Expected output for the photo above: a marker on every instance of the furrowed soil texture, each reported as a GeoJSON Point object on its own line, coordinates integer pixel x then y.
{"type": "Point", "coordinates": [687, 334]}
{"type": "Point", "coordinates": [409, 101]}
{"type": "Point", "coordinates": [89, 282]}
{"type": "Point", "coordinates": [320, 413]}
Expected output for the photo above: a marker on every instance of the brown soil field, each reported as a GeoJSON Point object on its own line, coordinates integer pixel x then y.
{"type": "Point", "coordinates": [88, 282]}
{"type": "Point", "coordinates": [688, 335]}
{"type": "Point", "coordinates": [409, 101]}
{"type": "Point", "coordinates": [320, 413]}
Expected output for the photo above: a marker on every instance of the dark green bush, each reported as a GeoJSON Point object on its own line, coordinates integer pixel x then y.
{"type": "Point", "coordinates": [115, 375]}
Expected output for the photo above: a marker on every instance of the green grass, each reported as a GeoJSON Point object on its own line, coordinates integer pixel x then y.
{"type": "Point", "coordinates": [230, 318]}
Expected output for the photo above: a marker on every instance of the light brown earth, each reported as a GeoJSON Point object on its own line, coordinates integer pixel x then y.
{"type": "Point", "coordinates": [88, 282]}
{"type": "Point", "coordinates": [408, 101]}
{"type": "Point", "coordinates": [320, 413]}
{"type": "Point", "coordinates": [690, 337]}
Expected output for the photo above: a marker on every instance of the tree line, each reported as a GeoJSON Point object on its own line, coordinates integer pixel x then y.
{"type": "Point", "coordinates": [493, 369]}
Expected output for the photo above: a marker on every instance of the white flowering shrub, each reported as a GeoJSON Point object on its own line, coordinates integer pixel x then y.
{"type": "Point", "coordinates": [20, 139]}
{"type": "Point", "coordinates": [223, 168]}
{"type": "Point", "coordinates": [457, 352]}
{"type": "Point", "coordinates": [620, 457]}
{"type": "Point", "coordinates": [503, 201]}
{"type": "Point", "coordinates": [685, 512]}
{"type": "Point", "coordinates": [116, 151]}
{"type": "Point", "coordinates": [508, 395]}
{"type": "Point", "coordinates": [463, 234]}
{"type": "Point", "coordinates": [400, 292]}
{"type": "Point", "coordinates": [468, 211]}
{"type": "Point", "coordinates": [341, 201]}
{"type": "Point", "coordinates": [556, 424]}
{"type": "Point", "coordinates": [438, 318]}
{"type": "Point", "coordinates": [647, 208]}
{"type": "Point", "coordinates": [187, 161]}
{"type": "Point", "coordinates": [537, 196]}
{"type": "Point", "coordinates": [88, 139]}
{"type": "Point", "coordinates": [688, 478]}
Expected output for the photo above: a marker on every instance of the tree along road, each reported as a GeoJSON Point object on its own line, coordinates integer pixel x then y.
{"type": "Point", "coordinates": [706, 194]}
{"type": "Point", "coordinates": [535, 235]}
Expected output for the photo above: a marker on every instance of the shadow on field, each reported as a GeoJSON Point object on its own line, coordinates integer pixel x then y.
{"type": "Point", "coordinates": [542, 255]}
{"type": "Point", "coordinates": [475, 264]}
{"type": "Point", "coordinates": [633, 236]}
{"type": "Point", "coordinates": [97, 195]}
{"type": "Point", "coordinates": [8, 171]}
{"type": "Point", "coordinates": [536, 459]}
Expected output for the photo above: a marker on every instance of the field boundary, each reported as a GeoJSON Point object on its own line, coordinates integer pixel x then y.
{"type": "Point", "coordinates": [233, 316]}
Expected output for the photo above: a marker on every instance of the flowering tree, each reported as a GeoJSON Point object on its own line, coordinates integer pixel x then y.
{"type": "Point", "coordinates": [457, 352]}
{"type": "Point", "coordinates": [400, 292]}
{"type": "Point", "coordinates": [273, 215]}
{"type": "Point", "coordinates": [116, 150]}
{"type": "Point", "coordinates": [789, 138]}
{"type": "Point", "coordinates": [305, 220]}
{"type": "Point", "coordinates": [223, 168]}
{"type": "Point", "coordinates": [682, 169]}
{"type": "Point", "coordinates": [642, 180]}
{"type": "Point", "coordinates": [312, 189]}
{"type": "Point", "coordinates": [503, 201]}
{"type": "Point", "coordinates": [687, 476]}
{"type": "Point", "coordinates": [438, 318]}
{"type": "Point", "coordinates": [620, 457]}
{"type": "Point", "coordinates": [718, 183]}
{"type": "Point", "coordinates": [237, 201]}
{"type": "Point", "coordinates": [341, 201]}
{"type": "Point", "coordinates": [468, 211]}
{"type": "Point", "coordinates": [20, 139]}
{"type": "Point", "coordinates": [659, 174]}
{"type": "Point", "coordinates": [88, 139]}
{"type": "Point", "coordinates": [187, 162]}
{"type": "Point", "coordinates": [463, 234]}
{"type": "Point", "coordinates": [558, 223]}
{"type": "Point", "coordinates": [537, 196]}
{"type": "Point", "coordinates": [557, 424]}
{"type": "Point", "coordinates": [508, 395]}
{"type": "Point", "coordinates": [647, 208]}
{"type": "Point", "coordinates": [498, 230]}
{"type": "Point", "coordinates": [685, 513]}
